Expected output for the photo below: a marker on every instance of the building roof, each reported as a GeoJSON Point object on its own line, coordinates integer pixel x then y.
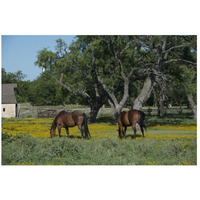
{"type": "Point", "coordinates": [8, 94]}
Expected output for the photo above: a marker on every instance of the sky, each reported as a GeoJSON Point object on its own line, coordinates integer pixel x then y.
{"type": "Point", "coordinates": [19, 52]}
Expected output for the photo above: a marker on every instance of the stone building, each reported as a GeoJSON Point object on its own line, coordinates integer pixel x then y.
{"type": "Point", "coordinates": [9, 103]}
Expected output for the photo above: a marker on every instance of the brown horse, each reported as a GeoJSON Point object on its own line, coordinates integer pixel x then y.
{"type": "Point", "coordinates": [130, 118]}
{"type": "Point", "coordinates": [70, 119]}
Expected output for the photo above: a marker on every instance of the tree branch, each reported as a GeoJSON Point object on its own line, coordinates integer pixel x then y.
{"type": "Point", "coordinates": [110, 94]}
{"type": "Point", "coordinates": [124, 49]}
{"type": "Point", "coordinates": [176, 60]}
{"type": "Point", "coordinates": [175, 47]}
{"type": "Point", "coordinates": [77, 93]}
{"type": "Point", "coordinates": [164, 44]}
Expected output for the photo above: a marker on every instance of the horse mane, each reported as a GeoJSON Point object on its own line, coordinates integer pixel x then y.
{"type": "Point", "coordinates": [53, 125]}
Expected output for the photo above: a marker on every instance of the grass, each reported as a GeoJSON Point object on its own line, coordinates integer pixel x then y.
{"type": "Point", "coordinates": [25, 150]}
{"type": "Point", "coordinates": [166, 142]}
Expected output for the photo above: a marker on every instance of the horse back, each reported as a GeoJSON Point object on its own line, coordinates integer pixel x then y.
{"type": "Point", "coordinates": [77, 117]}
{"type": "Point", "coordinates": [64, 119]}
{"type": "Point", "coordinates": [133, 116]}
{"type": "Point", "coordinates": [123, 119]}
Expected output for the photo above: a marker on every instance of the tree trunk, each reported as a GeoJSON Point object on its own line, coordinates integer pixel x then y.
{"type": "Point", "coordinates": [115, 111]}
{"type": "Point", "coordinates": [144, 94]}
{"type": "Point", "coordinates": [93, 113]}
{"type": "Point", "coordinates": [161, 110]}
{"type": "Point", "coordinates": [193, 106]}
{"type": "Point", "coordinates": [95, 105]}
{"type": "Point", "coordinates": [117, 107]}
{"type": "Point", "coordinates": [94, 102]}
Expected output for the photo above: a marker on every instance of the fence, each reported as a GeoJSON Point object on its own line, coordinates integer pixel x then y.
{"type": "Point", "coordinates": [44, 113]}
{"type": "Point", "coordinates": [167, 111]}
{"type": "Point", "coordinates": [26, 110]}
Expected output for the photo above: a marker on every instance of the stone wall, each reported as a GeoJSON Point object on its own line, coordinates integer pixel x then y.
{"type": "Point", "coordinates": [8, 110]}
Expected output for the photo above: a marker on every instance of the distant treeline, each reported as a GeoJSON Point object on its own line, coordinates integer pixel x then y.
{"type": "Point", "coordinates": [45, 91]}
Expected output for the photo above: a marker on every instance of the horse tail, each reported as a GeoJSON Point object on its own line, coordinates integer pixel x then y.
{"type": "Point", "coordinates": [87, 133]}
{"type": "Point", "coordinates": [142, 118]}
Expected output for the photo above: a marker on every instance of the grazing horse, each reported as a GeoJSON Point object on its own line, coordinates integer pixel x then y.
{"type": "Point", "coordinates": [70, 119]}
{"type": "Point", "coordinates": [130, 118]}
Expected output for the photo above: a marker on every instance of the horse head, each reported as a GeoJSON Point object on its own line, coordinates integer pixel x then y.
{"type": "Point", "coordinates": [52, 132]}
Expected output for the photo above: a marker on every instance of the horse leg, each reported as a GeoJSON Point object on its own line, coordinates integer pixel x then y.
{"type": "Point", "coordinates": [142, 131]}
{"type": "Point", "coordinates": [59, 131]}
{"type": "Point", "coordinates": [125, 131]}
{"type": "Point", "coordinates": [121, 132]}
{"type": "Point", "coordinates": [85, 133]}
{"type": "Point", "coordinates": [82, 131]}
{"type": "Point", "coordinates": [67, 131]}
{"type": "Point", "coordinates": [135, 130]}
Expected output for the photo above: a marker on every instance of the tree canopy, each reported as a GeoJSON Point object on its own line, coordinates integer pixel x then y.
{"type": "Point", "coordinates": [106, 68]}
{"type": "Point", "coordinates": [116, 70]}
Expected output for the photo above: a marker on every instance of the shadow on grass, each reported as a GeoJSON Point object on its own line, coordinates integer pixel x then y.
{"type": "Point", "coordinates": [153, 120]}
{"type": "Point", "coordinates": [173, 119]}
{"type": "Point", "coordinates": [72, 137]}
{"type": "Point", "coordinates": [132, 136]}
{"type": "Point", "coordinates": [179, 119]}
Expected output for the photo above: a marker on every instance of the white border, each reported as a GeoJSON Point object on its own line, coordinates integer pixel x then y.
{"type": "Point", "coordinates": [42, 17]}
